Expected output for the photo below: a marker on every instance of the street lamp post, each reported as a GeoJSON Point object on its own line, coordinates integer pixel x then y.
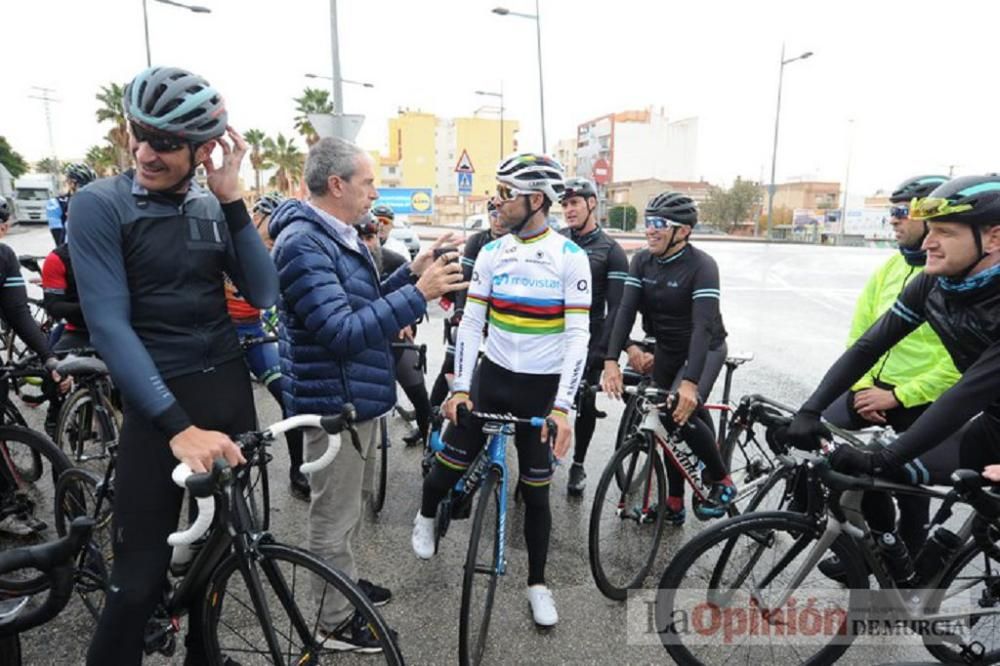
{"type": "Point", "coordinates": [503, 11]}
{"type": "Point", "coordinates": [486, 93]}
{"type": "Point", "coordinates": [847, 180]}
{"type": "Point", "coordinates": [774, 151]}
{"type": "Point", "coordinates": [197, 9]}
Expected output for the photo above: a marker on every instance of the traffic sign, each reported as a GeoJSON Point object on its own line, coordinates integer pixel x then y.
{"type": "Point", "coordinates": [464, 163]}
{"type": "Point", "coordinates": [602, 171]}
{"type": "Point", "coordinates": [464, 182]}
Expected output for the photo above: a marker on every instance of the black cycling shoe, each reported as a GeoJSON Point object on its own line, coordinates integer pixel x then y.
{"type": "Point", "coordinates": [577, 480]}
{"type": "Point", "coordinates": [298, 486]}
{"type": "Point", "coordinates": [834, 569]}
{"type": "Point", "coordinates": [414, 438]}
{"type": "Point", "coordinates": [717, 503]}
{"type": "Point", "coordinates": [352, 635]}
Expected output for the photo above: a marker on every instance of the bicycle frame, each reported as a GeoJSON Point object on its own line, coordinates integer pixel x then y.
{"type": "Point", "coordinates": [686, 463]}
{"type": "Point", "coordinates": [493, 456]}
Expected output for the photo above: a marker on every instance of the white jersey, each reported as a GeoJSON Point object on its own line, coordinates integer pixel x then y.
{"type": "Point", "coordinates": [536, 293]}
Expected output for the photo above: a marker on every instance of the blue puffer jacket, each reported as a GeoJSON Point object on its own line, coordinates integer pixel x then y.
{"type": "Point", "coordinates": [337, 319]}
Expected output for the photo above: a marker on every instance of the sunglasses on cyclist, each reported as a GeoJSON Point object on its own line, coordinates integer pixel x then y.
{"type": "Point", "coordinates": [161, 143]}
{"type": "Point", "coordinates": [899, 212]}
{"type": "Point", "coordinates": [928, 208]}
{"type": "Point", "coordinates": [661, 223]}
{"type": "Point", "coordinates": [507, 193]}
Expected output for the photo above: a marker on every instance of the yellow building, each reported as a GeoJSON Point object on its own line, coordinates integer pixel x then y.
{"type": "Point", "coordinates": [424, 150]}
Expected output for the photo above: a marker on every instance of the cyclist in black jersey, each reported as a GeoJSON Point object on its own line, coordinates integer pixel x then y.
{"type": "Point", "coordinates": [473, 245]}
{"type": "Point", "coordinates": [150, 264]}
{"type": "Point", "coordinates": [608, 271]}
{"type": "Point", "coordinates": [676, 286]}
{"type": "Point", "coordinates": [958, 294]}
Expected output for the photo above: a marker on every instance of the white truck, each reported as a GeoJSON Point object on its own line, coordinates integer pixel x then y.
{"type": "Point", "coordinates": [31, 192]}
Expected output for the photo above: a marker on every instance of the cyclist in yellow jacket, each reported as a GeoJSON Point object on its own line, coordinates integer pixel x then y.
{"type": "Point", "coordinates": [910, 376]}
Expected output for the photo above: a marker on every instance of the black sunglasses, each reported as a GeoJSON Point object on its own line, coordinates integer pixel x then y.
{"type": "Point", "coordinates": [161, 143]}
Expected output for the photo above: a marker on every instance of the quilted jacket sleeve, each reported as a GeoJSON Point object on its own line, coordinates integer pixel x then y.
{"type": "Point", "coordinates": [311, 287]}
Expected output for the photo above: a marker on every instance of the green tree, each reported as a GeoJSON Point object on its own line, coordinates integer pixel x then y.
{"type": "Point", "coordinates": [256, 140]}
{"type": "Point", "coordinates": [47, 165]}
{"type": "Point", "coordinates": [726, 208]}
{"type": "Point", "coordinates": [623, 217]}
{"type": "Point", "coordinates": [313, 100]}
{"type": "Point", "coordinates": [285, 155]}
{"type": "Point", "coordinates": [111, 109]}
{"type": "Point", "coordinates": [11, 159]}
{"type": "Point", "coordinates": [102, 159]}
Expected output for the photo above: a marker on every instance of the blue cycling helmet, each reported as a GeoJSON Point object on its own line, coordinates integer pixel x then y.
{"type": "Point", "coordinates": [176, 102]}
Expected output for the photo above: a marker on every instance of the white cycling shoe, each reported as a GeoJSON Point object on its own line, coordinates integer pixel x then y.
{"type": "Point", "coordinates": [422, 539]}
{"type": "Point", "coordinates": [543, 606]}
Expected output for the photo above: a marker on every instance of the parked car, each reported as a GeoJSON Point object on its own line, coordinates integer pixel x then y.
{"type": "Point", "coordinates": [404, 233]}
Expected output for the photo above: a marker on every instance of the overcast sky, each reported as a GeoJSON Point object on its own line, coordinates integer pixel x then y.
{"type": "Point", "coordinates": [913, 75]}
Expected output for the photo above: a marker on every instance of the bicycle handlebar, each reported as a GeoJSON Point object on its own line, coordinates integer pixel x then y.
{"type": "Point", "coordinates": [57, 561]}
{"type": "Point", "coordinates": [203, 486]}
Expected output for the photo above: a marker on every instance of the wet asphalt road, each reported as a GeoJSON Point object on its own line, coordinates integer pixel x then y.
{"type": "Point", "coordinates": [789, 304]}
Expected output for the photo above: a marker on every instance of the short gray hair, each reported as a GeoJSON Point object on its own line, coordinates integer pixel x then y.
{"type": "Point", "coordinates": [330, 157]}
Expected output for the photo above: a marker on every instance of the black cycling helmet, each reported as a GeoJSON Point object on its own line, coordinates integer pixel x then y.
{"type": "Point", "coordinates": [972, 200]}
{"type": "Point", "coordinates": [917, 187]}
{"type": "Point", "coordinates": [4, 210]}
{"type": "Point", "coordinates": [173, 101]}
{"type": "Point", "coordinates": [382, 210]}
{"type": "Point", "coordinates": [367, 225]}
{"type": "Point", "coordinates": [673, 206]}
{"type": "Point", "coordinates": [268, 203]}
{"type": "Point", "coordinates": [79, 173]}
{"type": "Point", "coordinates": [578, 187]}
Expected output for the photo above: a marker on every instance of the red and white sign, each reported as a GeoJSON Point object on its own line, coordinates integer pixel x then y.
{"type": "Point", "coordinates": [602, 172]}
{"type": "Point", "coordinates": [464, 163]}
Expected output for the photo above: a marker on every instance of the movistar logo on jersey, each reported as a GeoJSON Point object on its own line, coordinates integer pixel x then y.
{"type": "Point", "coordinates": [519, 281]}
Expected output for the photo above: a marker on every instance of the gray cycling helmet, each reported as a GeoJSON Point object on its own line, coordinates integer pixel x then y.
{"type": "Point", "coordinates": [4, 210]}
{"type": "Point", "coordinates": [174, 101]}
{"type": "Point", "coordinates": [268, 203]}
{"type": "Point", "coordinates": [916, 188]}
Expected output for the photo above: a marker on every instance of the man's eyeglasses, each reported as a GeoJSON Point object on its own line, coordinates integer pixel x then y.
{"type": "Point", "coordinates": [661, 223]}
{"type": "Point", "coordinates": [161, 143]}
{"type": "Point", "coordinates": [899, 212]}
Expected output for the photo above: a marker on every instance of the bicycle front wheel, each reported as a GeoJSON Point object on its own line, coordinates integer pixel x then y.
{"type": "Point", "coordinates": [730, 594]}
{"type": "Point", "coordinates": [627, 520]}
{"type": "Point", "coordinates": [381, 464]}
{"type": "Point", "coordinates": [270, 610]}
{"type": "Point", "coordinates": [482, 570]}
{"type": "Point", "coordinates": [31, 466]}
{"type": "Point", "coordinates": [79, 492]}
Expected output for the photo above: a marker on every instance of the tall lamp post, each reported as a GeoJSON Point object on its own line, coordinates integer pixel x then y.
{"type": "Point", "coordinates": [486, 93]}
{"type": "Point", "coordinates": [197, 9]}
{"type": "Point", "coordinates": [774, 151]}
{"type": "Point", "coordinates": [503, 11]}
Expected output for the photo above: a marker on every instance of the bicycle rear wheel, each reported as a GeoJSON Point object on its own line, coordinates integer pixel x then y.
{"type": "Point", "coordinates": [381, 467]}
{"type": "Point", "coordinates": [482, 570]}
{"type": "Point", "coordinates": [31, 466]}
{"type": "Point", "coordinates": [83, 432]}
{"type": "Point", "coordinates": [760, 620]}
{"type": "Point", "coordinates": [268, 609]}
{"type": "Point", "coordinates": [79, 492]}
{"type": "Point", "coordinates": [971, 583]}
{"type": "Point", "coordinates": [627, 521]}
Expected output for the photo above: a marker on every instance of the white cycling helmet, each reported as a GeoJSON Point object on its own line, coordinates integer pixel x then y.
{"type": "Point", "coordinates": [531, 172]}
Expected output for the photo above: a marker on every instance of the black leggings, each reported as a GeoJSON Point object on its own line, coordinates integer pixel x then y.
{"type": "Point", "coordinates": [702, 430]}
{"type": "Point", "coordinates": [914, 510]}
{"type": "Point", "coordinates": [586, 412]}
{"type": "Point", "coordinates": [440, 389]}
{"type": "Point", "coordinates": [495, 389]}
{"type": "Point", "coordinates": [147, 507]}
{"type": "Point", "coordinates": [411, 377]}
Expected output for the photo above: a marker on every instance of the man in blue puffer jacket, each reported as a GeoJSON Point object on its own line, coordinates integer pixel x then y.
{"type": "Point", "coordinates": [337, 322]}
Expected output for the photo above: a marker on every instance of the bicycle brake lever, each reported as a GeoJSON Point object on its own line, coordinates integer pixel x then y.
{"type": "Point", "coordinates": [355, 440]}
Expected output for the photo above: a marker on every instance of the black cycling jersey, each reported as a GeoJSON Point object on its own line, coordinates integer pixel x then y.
{"type": "Point", "coordinates": [968, 324]}
{"type": "Point", "coordinates": [14, 304]}
{"type": "Point", "coordinates": [608, 272]}
{"type": "Point", "coordinates": [679, 299]}
{"type": "Point", "coordinates": [391, 261]}
{"type": "Point", "coordinates": [150, 270]}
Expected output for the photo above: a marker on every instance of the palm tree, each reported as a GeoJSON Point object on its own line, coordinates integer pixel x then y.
{"type": "Point", "coordinates": [47, 165]}
{"type": "Point", "coordinates": [285, 155]}
{"type": "Point", "coordinates": [102, 159]}
{"type": "Point", "coordinates": [313, 100]}
{"type": "Point", "coordinates": [256, 140]}
{"type": "Point", "coordinates": [111, 108]}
